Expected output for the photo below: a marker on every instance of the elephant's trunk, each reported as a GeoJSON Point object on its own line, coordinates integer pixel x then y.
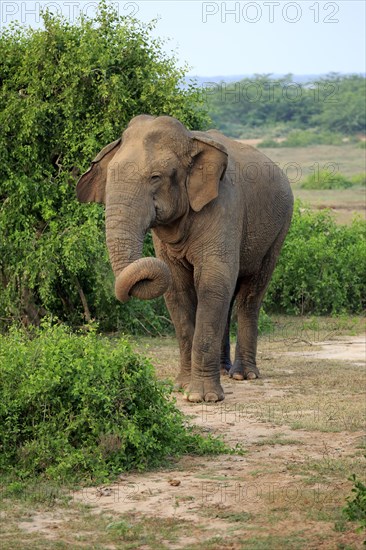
{"type": "Point", "coordinates": [144, 278]}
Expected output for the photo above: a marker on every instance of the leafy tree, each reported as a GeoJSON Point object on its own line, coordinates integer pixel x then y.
{"type": "Point", "coordinates": [66, 91]}
{"type": "Point", "coordinates": [334, 104]}
{"type": "Point", "coordinates": [344, 111]}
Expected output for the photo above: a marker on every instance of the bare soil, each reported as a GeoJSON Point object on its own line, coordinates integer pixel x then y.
{"type": "Point", "coordinates": [301, 427]}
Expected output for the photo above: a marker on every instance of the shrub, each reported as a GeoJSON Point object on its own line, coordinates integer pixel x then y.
{"type": "Point", "coordinates": [325, 179]}
{"type": "Point", "coordinates": [322, 266]}
{"type": "Point", "coordinates": [304, 138]}
{"type": "Point", "coordinates": [359, 180]}
{"type": "Point", "coordinates": [269, 143]}
{"type": "Point", "coordinates": [355, 509]}
{"type": "Point", "coordinates": [76, 407]}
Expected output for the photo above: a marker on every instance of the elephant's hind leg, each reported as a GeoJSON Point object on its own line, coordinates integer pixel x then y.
{"type": "Point", "coordinates": [225, 360]}
{"type": "Point", "coordinates": [248, 302]}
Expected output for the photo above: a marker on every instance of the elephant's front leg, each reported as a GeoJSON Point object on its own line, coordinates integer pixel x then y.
{"type": "Point", "coordinates": [212, 313]}
{"type": "Point", "coordinates": [181, 301]}
{"type": "Point", "coordinates": [181, 304]}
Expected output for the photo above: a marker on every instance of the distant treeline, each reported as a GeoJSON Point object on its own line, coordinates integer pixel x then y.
{"type": "Point", "coordinates": [334, 103]}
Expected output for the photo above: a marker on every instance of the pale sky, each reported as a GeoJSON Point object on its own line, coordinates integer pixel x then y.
{"type": "Point", "coordinates": [225, 38]}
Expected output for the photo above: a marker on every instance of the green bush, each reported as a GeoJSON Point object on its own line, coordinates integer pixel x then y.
{"type": "Point", "coordinates": [359, 180]}
{"type": "Point", "coordinates": [269, 143]}
{"type": "Point", "coordinates": [84, 407]}
{"type": "Point", "coordinates": [356, 506]}
{"type": "Point", "coordinates": [322, 266]}
{"type": "Point", "coordinates": [304, 138]}
{"type": "Point", "coordinates": [325, 179]}
{"type": "Point", "coordinates": [66, 90]}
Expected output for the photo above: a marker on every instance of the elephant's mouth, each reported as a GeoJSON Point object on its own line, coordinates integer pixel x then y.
{"type": "Point", "coordinates": [146, 278]}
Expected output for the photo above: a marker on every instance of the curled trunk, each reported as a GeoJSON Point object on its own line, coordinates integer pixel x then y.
{"type": "Point", "coordinates": [144, 278]}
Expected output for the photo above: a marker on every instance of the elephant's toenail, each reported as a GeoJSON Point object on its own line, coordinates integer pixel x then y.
{"type": "Point", "coordinates": [195, 397]}
{"type": "Point", "coordinates": [211, 397]}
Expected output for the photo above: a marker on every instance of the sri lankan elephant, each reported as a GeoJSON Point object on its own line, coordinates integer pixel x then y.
{"type": "Point", "coordinates": [219, 211]}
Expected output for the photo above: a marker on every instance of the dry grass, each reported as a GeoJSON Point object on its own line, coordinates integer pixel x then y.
{"type": "Point", "coordinates": [347, 159]}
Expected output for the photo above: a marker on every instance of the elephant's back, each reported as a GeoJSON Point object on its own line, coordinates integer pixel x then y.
{"type": "Point", "coordinates": [239, 152]}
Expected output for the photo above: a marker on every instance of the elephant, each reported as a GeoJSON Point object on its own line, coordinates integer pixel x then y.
{"type": "Point", "coordinates": [219, 211]}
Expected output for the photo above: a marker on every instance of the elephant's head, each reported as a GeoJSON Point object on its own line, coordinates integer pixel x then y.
{"type": "Point", "coordinates": [150, 177]}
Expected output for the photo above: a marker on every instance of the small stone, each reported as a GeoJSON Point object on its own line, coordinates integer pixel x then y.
{"type": "Point", "coordinates": [104, 492]}
{"type": "Point", "coordinates": [174, 482]}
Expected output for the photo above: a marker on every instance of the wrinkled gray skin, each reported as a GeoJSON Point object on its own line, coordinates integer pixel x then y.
{"type": "Point", "coordinates": [219, 212]}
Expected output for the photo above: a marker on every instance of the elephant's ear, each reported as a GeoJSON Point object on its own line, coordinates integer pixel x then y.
{"type": "Point", "coordinates": [91, 185]}
{"type": "Point", "coordinates": [209, 162]}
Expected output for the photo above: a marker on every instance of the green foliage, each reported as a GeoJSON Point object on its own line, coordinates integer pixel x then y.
{"type": "Point", "coordinates": [359, 179]}
{"type": "Point", "coordinates": [334, 104]}
{"type": "Point", "coordinates": [322, 266]}
{"type": "Point", "coordinates": [67, 90]}
{"type": "Point", "coordinates": [269, 142]}
{"type": "Point", "coordinates": [326, 179]}
{"type": "Point", "coordinates": [259, 101]}
{"type": "Point", "coordinates": [304, 138]}
{"type": "Point", "coordinates": [344, 107]}
{"type": "Point", "coordinates": [85, 407]}
{"type": "Point", "coordinates": [356, 506]}
{"type": "Point", "coordinates": [265, 323]}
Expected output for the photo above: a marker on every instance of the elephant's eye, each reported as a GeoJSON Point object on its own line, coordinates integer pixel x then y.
{"type": "Point", "coordinates": [155, 178]}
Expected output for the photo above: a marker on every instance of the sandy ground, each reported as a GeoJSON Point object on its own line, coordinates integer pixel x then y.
{"type": "Point", "coordinates": [346, 349]}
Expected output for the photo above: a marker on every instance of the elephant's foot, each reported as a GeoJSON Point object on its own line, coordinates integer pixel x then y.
{"type": "Point", "coordinates": [182, 381]}
{"type": "Point", "coordinates": [239, 371]}
{"type": "Point", "coordinates": [204, 390]}
{"type": "Point", "coordinates": [225, 367]}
